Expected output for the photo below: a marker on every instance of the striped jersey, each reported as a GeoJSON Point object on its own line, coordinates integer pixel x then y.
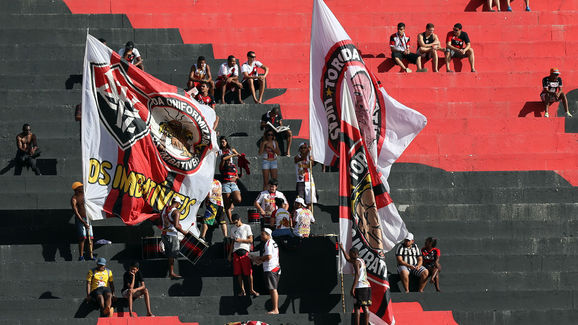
{"type": "Point", "coordinates": [408, 254]}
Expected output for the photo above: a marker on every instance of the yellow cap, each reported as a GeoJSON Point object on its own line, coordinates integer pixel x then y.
{"type": "Point", "coordinates": [76, 185]}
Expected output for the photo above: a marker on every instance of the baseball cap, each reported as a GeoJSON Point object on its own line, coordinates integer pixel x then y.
{"type": "Point", "coordinates": [302, 144]}
{"type": "Point", "coordinates": [177, 199]}
{"type": "Point", "coordinates": [76, 185]}
{"type": "Point", "coordinates": [268, 231]}
{"type": "Point", "coordinates": [129, 45]}
{"type": "Point", "coordinates": [300, 201]}
{"type": "Point", "coordinates": [555, 71]}
{"type": "Point", "coordinates": [409, 236]}
{"type": "Point", "coordinates": [101, 261]}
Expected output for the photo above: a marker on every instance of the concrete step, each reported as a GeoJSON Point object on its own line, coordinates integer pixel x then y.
{"type": "Point", "coordinates": [33, 6]}
{"type": "Point", "coordinates": [510, 317]}
{"type": "Point", "coordinates": [61, 20]}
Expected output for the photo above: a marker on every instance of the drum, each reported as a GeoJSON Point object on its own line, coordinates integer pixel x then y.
{"type": "Point", "coordinates": [253, 216]}
{"type": "Point", "coordinates": [152, 247]}
{"type": "Point", "coordinates": [193, 248]}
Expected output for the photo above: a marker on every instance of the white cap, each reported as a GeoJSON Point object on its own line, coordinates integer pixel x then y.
{"type": "Point", "coordinates": [300, 201]}
{"type": "Point", "coordinates": [177, 199]}
{"type": "Point", "coordinates": [268, 231]}
{"type": "Point", "coordinates": [302, 144]}
{"type": "Point", "coordinates": [409, 236]}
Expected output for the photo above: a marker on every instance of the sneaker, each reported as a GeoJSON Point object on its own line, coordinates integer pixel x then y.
{"type": "Point", "coordinates": [408, 70]}
{"type": "Point", "coordinates": [546, 115]}
{"type": "Point", "coordinates": [81, 258]}
{"type": "Point", "coordinates": [91, 259]}
{"type": "Point", "coordinates": [509, 8]}
{"type": "Point", "coordinates": [568, 114]}
{"type": "Point", "coordinates": [422, 70]}
{"type": "Point", "coordinates": [528, 8]}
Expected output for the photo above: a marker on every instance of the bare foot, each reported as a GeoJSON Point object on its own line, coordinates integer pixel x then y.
{"type": "Point", "coordinates": [242, 293]}
{"type": "Point", "coordinates": [273, 312]}
{"type": "Point", "coordinates": [175, 276]}
{"type": "Point", "coordinates": [255, 293]}
{"type": "Point", "coordinates": [150, 315]}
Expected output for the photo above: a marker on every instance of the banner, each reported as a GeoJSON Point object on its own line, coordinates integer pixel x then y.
{"type": "Point", "coordinates": [357, 126]}
{"type": "Point", "coordinates": [143, 142]}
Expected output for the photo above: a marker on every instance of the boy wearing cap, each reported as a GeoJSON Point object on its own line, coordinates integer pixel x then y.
{"type": "Point", "coordinates": [170, 218]}
{"type": "Point", "coordinates": [303, 219]}
{"type": "Point", "coordinates": [83, 226]}
{"type": "Point", "coordinates": [271, 267]}
{"type": "Point", "coordinates": [242, 237]}
{"type": "Point", "coordinates": [100, 287]}
{"type": "Point", "coordinates": [409, 261]}
{"type": "Point", "coordinates": [552, 91]}
{"type": "Point", "coordinates": [131, 54]}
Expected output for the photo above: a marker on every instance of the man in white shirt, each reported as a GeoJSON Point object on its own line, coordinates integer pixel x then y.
{"type": "Point", "coordinates": [303, 219]}
{"type": "Point", "coordinates": [399, 45]}
{"type": "Point", "coordinates": [132, 55]}
{"type": "Point", "coordinates": [252, 78]}
{"type": "Point", "coordinates": [271, 267]}
{"type": "Point", "coordinates": [265, 202]}
{"type": "Point", "coordinates": [242, 237]}
{"type": "Point", "coordinates": [228, 79]}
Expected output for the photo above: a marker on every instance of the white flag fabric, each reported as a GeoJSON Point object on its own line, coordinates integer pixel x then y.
{"type": "Point", "coordinates": [143, 142]}
{"type": "Point", "coordinates": [357, 126]}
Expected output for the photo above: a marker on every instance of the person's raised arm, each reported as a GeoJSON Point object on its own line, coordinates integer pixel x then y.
{"type": "Point", "coordinates": [344, 252]}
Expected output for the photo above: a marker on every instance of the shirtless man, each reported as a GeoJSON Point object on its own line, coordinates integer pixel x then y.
{"type": "Point", "coordinates": [27, 150]}
{"type": "Point", "coordinates": [83, 225]}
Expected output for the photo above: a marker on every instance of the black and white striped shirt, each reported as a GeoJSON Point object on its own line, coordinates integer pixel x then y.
{"type": "Point", "coordinates": [408, 254]}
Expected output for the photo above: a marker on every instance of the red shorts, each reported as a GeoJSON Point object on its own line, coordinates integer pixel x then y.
{"type": "Point", "coordinates": [230, 86]}
{"type": "Point", "coordinates": [242, 264]}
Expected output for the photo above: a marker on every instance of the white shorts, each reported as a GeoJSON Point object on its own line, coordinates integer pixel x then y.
{"type": "Point", "coordinates": [416, 272]}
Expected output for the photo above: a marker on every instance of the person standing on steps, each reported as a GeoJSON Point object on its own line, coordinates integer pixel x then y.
{"type": "Point", "coordinates": [271, 267]}
{"type": "Point", "coordinates": [527, 5]}
{"type": "Point", "coordinates": [552, 92]}
{"type": "Point", "coordinates": [252, 78]}
{"type": "Point", "coordinates": [134, 287]}
{"type": "Point", "coordinates": [399, 43]}
{"type": "Point", "coordinates": [82, 222]}
{"type": "Point", "coordinates": [214, 213]}
{"type": "Point", "coordinates": [170, 219]}
{"type": "Point", "coordinates": [229, 174]}
{"type": "Point", "coordinates": [100, 287]}
{"type": "Point", "coordinates": [458, 46]}
{"type": "Point", "coordinates": [242, 237]}
{"type": "Point", "coordinates": [496, 3]}
{"type": "Point", "coordinates": [361, 289]}
{"type": "Point", "coordinates": [276, 119]}
{"type": "Point", "coordinates": [409, 261]}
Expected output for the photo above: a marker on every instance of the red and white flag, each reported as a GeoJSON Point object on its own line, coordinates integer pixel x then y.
{"type": "Point", "coordinates": [357, 126]}
{"type": "Point", "coordinates": [143, 142]}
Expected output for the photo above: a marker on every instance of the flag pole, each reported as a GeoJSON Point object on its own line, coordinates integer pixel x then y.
{"type": "Point", "coordinates": [341, 274]}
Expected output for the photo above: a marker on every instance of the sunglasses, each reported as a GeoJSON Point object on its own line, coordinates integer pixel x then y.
{"type": "Point", "coordinates": [269, 134]}
{"type": "Point", "coordinates": [252, 57]}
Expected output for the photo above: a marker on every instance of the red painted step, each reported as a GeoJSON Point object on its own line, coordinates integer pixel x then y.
{"type": "Point", "coordinates": [411, 313]}
{"type": "Point", "coordinates": [158, 320]}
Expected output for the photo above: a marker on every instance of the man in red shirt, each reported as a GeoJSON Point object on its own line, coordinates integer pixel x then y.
{"type": "Point", "coordinates": [458, 46]}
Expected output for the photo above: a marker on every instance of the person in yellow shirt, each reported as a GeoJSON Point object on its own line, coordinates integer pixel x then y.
{"type": "Point", "coordinates": [100, 287]}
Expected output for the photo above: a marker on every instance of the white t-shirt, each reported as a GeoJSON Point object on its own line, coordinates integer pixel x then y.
{"type": "Point", "coordinates": [251, 69]}
{"type": "Point", "coordinates": [135, 52]}
{"type": "Point", "coordinates": [216, 193]}
{"type": "Point", "coordinates": [242, 232]}
{"type": "Point", "coordinates": [282, 219]}
{"type": "Point", "coordinates": [267, 201]}
{"type": "Point", "coordinates": [302, 170]}
{"type": "Point", "coordinates": [303, 220]}
{"type": "Point", "coordinates": [272, 249]}
{"type": "Point", "coordinates": [227, 71]}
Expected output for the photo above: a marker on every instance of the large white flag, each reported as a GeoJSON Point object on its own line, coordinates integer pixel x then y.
{"type": "Point", "coordinates": [356, 125]}
{"type": "Point", "coordinates": [143, 142]}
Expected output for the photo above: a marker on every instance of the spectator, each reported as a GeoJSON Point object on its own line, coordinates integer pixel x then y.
{"type": "Point", "coordinates": [458, 46]}
{"type": "Point", "coordinates": [242, 237]}
{"type": "Point", "coordinates": [409, 261]}
{"type": "Point", "coordinates": [269, 150]}
{"type": "Point", "coordinates": [429, 45]}
{"type": "Point", "coordinates": [27, 150]}
{"type": "Point", "coordinates": [303, 163]}
{"type": "Point", "coordinates": [231, 192]}
{"type": "Point", "coordinates": [170, 217]}
{"type": "Point", "coordinates": [552, 91]}
{"type": "Point", "coordinates": [265, 202]}
{"type": "Point", "coordinates": [303, 219]}
{"type": "Point", "coordinates": [201, 74]}
{"type": "Point", "coordinates": [281, 220]}
{"type": "Point", "coordinates": [271, 267]}
{"type": "Point", "coordinates": [252, 78]}
{"type": "Point", "coordinates": [83, 226]}
{"type": "Point", "coordinates": [274, 117]}
{"type": "Point", "coordinates": [361, 289]}
{"type": "Point", "coordinates": [431, 260]}
{"type": "Point", "coordinates": [527, 5]}
{"type": "Point", "coordinates": [203, 97]}
{"type": "Point", "coordinates": [100, 287]}
{"type": "Point", "coordinates": [228, 79]}
{"type": "Point", "coordinates": [102, 40]}
{"type": "Point", "coordinates": [214, 212]}
{"type": "Point", "coordinates": [134, 287]}
{"type": "Point", "coordinates": [132, 55]}
{"type": "Point", "coordinates": [399, 45]}
{"type": "Point", "coordinates": [496, 2]}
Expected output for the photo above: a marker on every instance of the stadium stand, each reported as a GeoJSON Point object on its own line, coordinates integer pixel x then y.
{"type": "Point", "coordinates": [497, 190]}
